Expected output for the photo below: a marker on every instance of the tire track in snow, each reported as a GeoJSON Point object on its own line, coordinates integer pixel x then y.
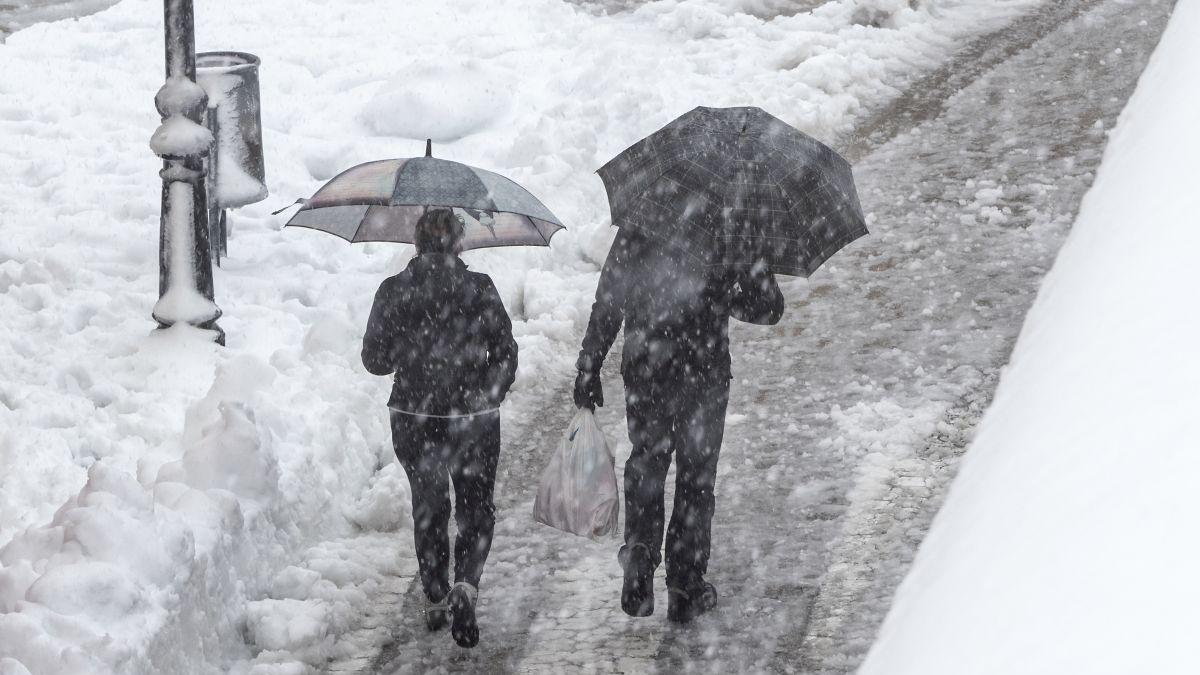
{"type": "Point", "coordinates": [926, 98]}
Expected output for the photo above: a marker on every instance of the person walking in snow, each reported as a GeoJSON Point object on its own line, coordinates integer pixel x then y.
{"type": "Point", "coordinates": [444, 333]}
{"type": "Point", "coordinates": [676, 370]}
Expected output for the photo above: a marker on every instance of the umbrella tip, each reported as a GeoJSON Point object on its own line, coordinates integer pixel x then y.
{"type": "Point", "coordinates": [429, 147]}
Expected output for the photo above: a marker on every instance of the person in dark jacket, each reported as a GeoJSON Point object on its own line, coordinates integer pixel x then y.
{"type": "Point", "coordinates": [444, 333]}
{"type": "Point", "coordinates": [676, 370]}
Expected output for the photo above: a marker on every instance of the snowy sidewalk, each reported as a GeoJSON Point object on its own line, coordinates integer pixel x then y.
{"type": "Point", "coordinates": [834, 463]}
{"type": "Point", "coordinates": [154, 488]}
{"type": "Point", "coordinates": [1066, 543]}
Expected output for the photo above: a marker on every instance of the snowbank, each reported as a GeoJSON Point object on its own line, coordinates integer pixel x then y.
{"type": "Point", "coordinates": [1068, 541]}
{"type": "Point", "coordinates": [155, 488]}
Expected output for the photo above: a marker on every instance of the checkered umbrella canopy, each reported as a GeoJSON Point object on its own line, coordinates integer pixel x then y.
{"type": "Point", "coordinates": [382, 200]}
{"type": "Point", "coordinates": [731, 186]}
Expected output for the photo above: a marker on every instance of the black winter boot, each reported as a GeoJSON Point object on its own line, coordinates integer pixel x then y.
{"type": "Point", "coordinates": [637, 593]}
{"type": "Point", "coordinates": [437, 614]}
{"type": "Point", "coordinates": [461, 601]}
{"type": "Point", "coordinates": [685, 605]}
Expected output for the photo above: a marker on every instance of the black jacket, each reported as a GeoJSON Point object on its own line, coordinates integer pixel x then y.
{"type": "Point", "coordinates": [443, 331]}
{"type": "Point", "coordinates": [676, 312]}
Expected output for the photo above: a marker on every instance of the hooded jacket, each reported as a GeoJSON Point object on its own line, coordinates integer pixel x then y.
{"type": "Point", "coordinates": [675, 311]}
{"type": "Point", "coordinates": [445, 334]}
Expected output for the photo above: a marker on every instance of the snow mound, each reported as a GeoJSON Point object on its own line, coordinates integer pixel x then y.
{"type": "Point", "coordinates": [1067, 542]}
{"type": "Point", "coordinates": [442, 100]}
{"type": "Point", "coordinates": [386, 506]}
{"type": "Point", "coordinates": [11, 666]}
{"type": "Point", "coordinates": [224, 448]}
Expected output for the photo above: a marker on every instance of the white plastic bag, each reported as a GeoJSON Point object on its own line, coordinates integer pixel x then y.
{"type": "Point", "coordinates": [578, 491]}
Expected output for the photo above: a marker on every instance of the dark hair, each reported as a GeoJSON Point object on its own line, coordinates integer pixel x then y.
{"type": "Point", "coordinates": [439, 231]}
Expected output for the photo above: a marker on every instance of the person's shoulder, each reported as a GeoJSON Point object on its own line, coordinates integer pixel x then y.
{"type": "Point", "coordinates": [400, 279]}
{"type": "Point", "coordinates": [479, 279]}
{"type": "Point", "coordinates": [396, 282]}
{"type": "Point", "coordinates": [483, 288]}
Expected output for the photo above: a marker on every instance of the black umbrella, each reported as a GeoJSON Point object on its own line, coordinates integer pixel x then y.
{"type": "Point", "coordinates": [382, 200]}
{"type": "Point", "coordinates": [732, 186]}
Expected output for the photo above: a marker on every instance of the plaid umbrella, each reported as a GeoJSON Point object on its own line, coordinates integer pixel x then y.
{"type": "Point", "coordinates": [382, 200]}
{"type": "Point", "coordinates": [732, 186]}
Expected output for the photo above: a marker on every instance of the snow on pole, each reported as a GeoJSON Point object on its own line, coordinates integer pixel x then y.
{"type": "Point", "coordinates": [185, 278]}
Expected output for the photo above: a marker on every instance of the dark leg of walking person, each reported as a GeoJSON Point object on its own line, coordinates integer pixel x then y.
{"type": "Point", "coordinates": [473, 472]}
{"type": "Point", "coordinates": [434, 452]}
{"type": "Point", "coordinates": [650, 420]}
{"type": "Point", "coordinates": [650, 417]}
{"type": "Point", "coordinates": [685, 421]}
{"type": "Point", "coordinates": [420, 445]}
{"type": "Point", "coordinates": [472, 468]}
{"type": "Point", "coordinates": [696, 436]}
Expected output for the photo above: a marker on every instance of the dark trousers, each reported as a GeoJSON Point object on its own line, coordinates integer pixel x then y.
{"type": "Point", "coordinates": [687, 420]}
{"type": "Point", "coordinates": [435, 452]}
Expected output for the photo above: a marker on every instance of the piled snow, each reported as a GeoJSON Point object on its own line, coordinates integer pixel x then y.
{"type": "Point", "coordinates": [18, 14]}
{"type": "Point", "coordinates": [439, 100]}
{"type": "Point", "coordinates": [156, 491]}
{"type": "Point", "coordinates": [1067, 543]}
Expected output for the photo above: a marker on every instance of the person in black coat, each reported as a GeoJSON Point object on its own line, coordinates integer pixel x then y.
{"type": "Point", "coordinates": [444, 333]}
{"type": "Point", "coordinates": [676, 370]}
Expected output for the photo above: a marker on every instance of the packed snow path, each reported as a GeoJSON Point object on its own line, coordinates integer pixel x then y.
{"type": "Point", "coordinates": [846, 420]}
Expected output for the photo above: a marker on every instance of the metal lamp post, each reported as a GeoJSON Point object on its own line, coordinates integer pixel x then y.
{"type": "Point", "coordinates": [185, 279]}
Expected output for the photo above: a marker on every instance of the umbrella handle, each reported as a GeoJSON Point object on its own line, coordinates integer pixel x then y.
{"type": "Point", "coordinates": [298, 201]}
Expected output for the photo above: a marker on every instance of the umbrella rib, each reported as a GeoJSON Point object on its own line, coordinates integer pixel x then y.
{"type": "Point", "coordinates": [537, 229]}
{"type": "Point", "coordinates": [518, 186]}
{"type": "Point", "coordinates": [317, 229]}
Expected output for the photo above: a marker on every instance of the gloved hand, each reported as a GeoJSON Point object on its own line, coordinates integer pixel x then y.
{"type": "Point", "coordinates": [589, 393]}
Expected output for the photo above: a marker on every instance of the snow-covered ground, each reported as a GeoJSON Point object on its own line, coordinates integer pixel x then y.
{"type": "Point", "coordinates": [156, 489]}
{"type": "Point", "coordinates": [18, 14]}
{"type": "Point", "coordinates": [846, 420]}
{"type": "Point", "coordinates": [1067, 543]}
